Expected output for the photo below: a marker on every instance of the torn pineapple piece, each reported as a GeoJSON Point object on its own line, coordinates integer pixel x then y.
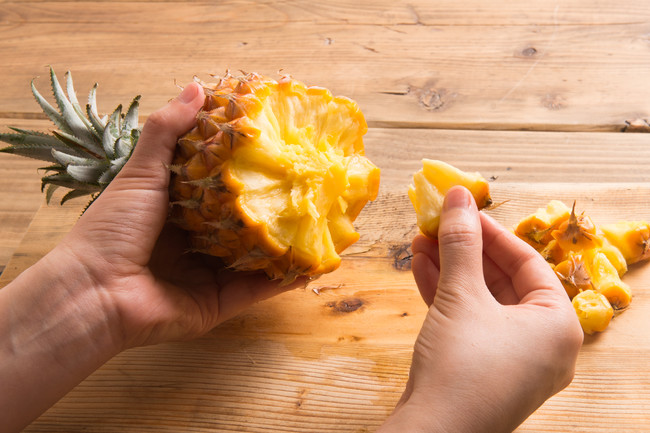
{"type": "Point", "coordinates": [593, 310]}
{"type": "Point", "coordinates": [578, 233]}
{"type": "Point", "coordinates": [536, 228]}
{"type": "Point", "coordinates": [606, 280]}
{"type": "Point", "coordinates": [632, 238]}
{"type": "Point", "coordinates": [431, 184]}
{"type": "Point", "coordinates": [574, 274]}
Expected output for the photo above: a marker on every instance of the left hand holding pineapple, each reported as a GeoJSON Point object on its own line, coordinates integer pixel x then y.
{"type": "Point", "coordinates": [120, 279]}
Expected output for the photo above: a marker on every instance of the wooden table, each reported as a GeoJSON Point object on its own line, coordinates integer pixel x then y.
{"type": "Point", "coordinates": [536, 95]}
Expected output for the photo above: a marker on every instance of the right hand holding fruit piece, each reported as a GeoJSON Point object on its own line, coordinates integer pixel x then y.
{"type": "Point", "coordinates": [500, 336]}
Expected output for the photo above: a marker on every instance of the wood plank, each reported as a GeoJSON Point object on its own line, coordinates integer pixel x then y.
{"type": "Point", "coordinates": [505, 65]}
{"type": "Point", "coordinates": [301, 363]}
{"type": "Point", "coordinates": [297, 363]}
{"type": "Point", "coordinates": [20, 195]}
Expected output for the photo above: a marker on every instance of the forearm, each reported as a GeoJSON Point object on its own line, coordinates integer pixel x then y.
{"type": "Point", "coordinates": [57, 330]}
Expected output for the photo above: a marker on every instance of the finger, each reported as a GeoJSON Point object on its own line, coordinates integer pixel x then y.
{"type": "Point", "coordinates": [461, 245]}
{"type": "Point", "coordinates": [424, 266]}
{"type": "Point", "coordinates": [160, 133]}
{"type": "Point", "coordinates": [499, 282]}
{"type": "Point", "coordinates": [237, 294]}
{"type": "Point", "coordinates": [530, 274]}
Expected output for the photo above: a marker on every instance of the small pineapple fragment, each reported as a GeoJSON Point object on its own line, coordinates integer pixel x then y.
{"type": "Point", "coordinates": [632, 238]}
{"type": "Point", "coordinates": [593, 310]}
{"type": "Point", "coordinates": [536, 228]}
{"type": "Point", "coordinates": [578, 233]}
{"type": "Point", "coordinates": [574, 274]}
{"type": "Point", "coordinates": [606, 280]}
{"type": "Point", "coordinates": [431, 184]}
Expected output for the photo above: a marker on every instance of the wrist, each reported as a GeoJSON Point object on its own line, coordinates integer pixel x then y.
{"type": "Point", "coordinates": [59, 330]}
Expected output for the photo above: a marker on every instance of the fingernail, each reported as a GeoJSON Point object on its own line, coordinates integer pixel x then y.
{"type": "Point", "coordinates": [457, 197]}
{"type": "Point", "coordinates": [188, 94]}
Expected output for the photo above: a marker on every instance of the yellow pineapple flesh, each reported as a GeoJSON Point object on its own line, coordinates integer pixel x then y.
{"type": "Point", "coordinates": [593, 310]}
{"type": "Point", "coordinates": [588, 260]}
{"type": "Point", "coordinates": [273, 176]}
{"type": "Point", "coordinates": [431, 184]}
{"type": "Point", "coordinates": [577, 233]}
{"type": "Point", "coordinates": [632, 238]}
{"type": "Point", "coordinates": [536, 228]}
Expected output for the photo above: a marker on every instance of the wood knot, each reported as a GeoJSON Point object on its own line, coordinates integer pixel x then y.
{"type": "Point", "coordinates": [636, 125]}
{"type": "Point", "coordinates": [402, 256]}
{"type": "Point", "coordinates": [345, 305]}
{"type": "Point", "coordinates": [529, 51]}
{"type": "Point", "coordinates": [554, 102]}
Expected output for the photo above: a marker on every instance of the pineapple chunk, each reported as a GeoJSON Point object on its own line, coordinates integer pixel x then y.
{"type": "Point", "coordinates": [614, 256]}
{"type": "Point", "coordinates": [606, 280]}
{"type": "Point", "coordinates": [536, 228]}
{"type": "Point", "coordinates": [632, 238]}
{"type": "Point", "coordinates": [578, 233]}
{"type": "Point", "coordinates": [593, 310]}
{"type": "Point", "coordinates": [430, 185]}
{"type": "Point", "coordinates": [574, 274]}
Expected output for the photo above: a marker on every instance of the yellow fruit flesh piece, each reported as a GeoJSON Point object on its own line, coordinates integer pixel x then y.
{"type": "Point", "coordinates": [593, 311]}
{"type": "Point", "coordinates": [574, 275]}
{"type": "Point", "coordinates": [292, 176]}
{"type": "Point", "coordinates": [431, 184]}
{"type": "Point", "coordinates": [578, 233]}
{"type": "Point", "coordinates": [553, 253]}
{"type": "Point", "coordinates": [614, 256]}
{"type": "Point", "coordinates": [606, 280]}
{"type": "Point", "coordinates": [632, 238]}
{"type": "Point", "coordinates": [536, 228]}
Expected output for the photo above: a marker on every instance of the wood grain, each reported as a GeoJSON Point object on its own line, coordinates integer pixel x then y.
{"type": "Point", "coordinates": [334, 356]}
{"type": "Point", "coordinates": [514, 65]}
{"type": "Point", "coordinates": [532, 94]}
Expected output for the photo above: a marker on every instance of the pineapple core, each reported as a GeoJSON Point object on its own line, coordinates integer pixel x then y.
{"type": "Point", "coordinates": [289, 176]}
{"type": "Point", "coordinates": [431, 184]}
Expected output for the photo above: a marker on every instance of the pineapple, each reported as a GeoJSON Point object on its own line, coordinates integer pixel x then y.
{"type": "Point", "coordinates": [430, 185]}
{"type": "Point", "coordinates": [271, 177]}
{"type": "Point", "coordinates": [588, 260]}
{"type": "Point", "coordinates": [536, 229]}
{"type": "Point", "coordinates": [632, 238]}
{"type": "Point", "coordinates": [578, 233]}
{"type": "Point", "coordinates": [593, 310]}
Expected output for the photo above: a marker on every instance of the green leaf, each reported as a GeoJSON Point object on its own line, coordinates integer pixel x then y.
{"type": "Point", "coordinates": [72, 96]}
{"type": "Point", "coordinates": [112, 132]}
{"type": "Point", "coordinates": [34, 152]}
{"type": "Point", "coordinates": [131, 118]}
{"type": "Point", "coordinates": [86, 173]}
{"type": "Point", "coordinates": [76, 125]}
{"type": "Point", "coordinates": [50, 111]}
{"type": "Point", "coordinates": [91, 109]}
{"type": "Point", "coordinates": [67, 159]}
{"type": "Point", "coordinates": [67, 181]}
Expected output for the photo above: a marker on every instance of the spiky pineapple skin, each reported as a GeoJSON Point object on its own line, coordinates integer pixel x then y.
{"type": "Point", "coordinates": [245, 135]}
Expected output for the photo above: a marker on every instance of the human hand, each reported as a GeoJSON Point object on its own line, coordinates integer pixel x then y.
{"type": "Point", "coordinates": [152, 287]}
{"type": "Point", "coordinates": [500, 336]}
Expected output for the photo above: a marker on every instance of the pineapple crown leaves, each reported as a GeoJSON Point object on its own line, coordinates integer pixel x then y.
{"type": "Point", "coordinates": [86, 151]}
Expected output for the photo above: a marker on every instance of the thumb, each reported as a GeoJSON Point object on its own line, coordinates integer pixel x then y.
{"type": "Point", "coordinates": [461, 245]}
{"type": "Point", "coordinates": [160, 132]}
